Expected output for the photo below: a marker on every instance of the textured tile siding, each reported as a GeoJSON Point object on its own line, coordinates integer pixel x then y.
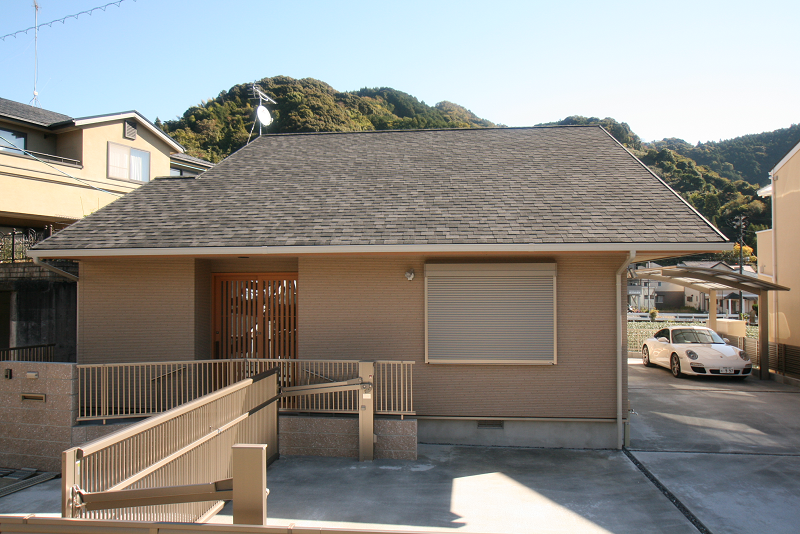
{"type": "Point", "coordinates": [32, 433]}
{"type": "Point", "coordinates": [364, 308]}
{"type": "Point", "coordinates": [136, 310]}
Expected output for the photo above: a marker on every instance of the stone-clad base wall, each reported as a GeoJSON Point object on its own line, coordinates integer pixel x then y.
{"type": "Point", "coordinates": [34, 433]}
{"type": "Point", "coordinates": [338, 436]}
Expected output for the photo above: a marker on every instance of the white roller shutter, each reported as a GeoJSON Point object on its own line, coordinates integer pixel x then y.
{"type": "Point", "coordinates": [491, 313]}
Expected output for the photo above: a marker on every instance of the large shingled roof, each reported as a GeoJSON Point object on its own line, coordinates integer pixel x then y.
{"type": "Point", "coordinates": [547, 185]}
{"type": "Point", "coordinates": [30, 114]}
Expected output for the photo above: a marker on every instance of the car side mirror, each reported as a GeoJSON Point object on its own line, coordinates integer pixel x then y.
{"type": "Point", "coordinates": [663, 340]}
{"type": "Point", "coordinates": [726, 340]}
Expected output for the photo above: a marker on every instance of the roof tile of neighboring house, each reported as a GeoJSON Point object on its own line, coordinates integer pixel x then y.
{"type": "Point", "coordinates": [484, 186]}
{"type": "Point", "coordinates": [191, 159]}
{"type": "Point", "coordinates": [30, 114]}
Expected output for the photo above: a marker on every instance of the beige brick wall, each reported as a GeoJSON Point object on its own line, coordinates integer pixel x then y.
{"type": "Point", "coordinates": [364, 308]}
{"type": "Point", "coordinates": [136, 309]}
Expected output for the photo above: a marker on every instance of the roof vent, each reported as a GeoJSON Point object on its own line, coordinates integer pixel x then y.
{"type": "Point", "coordinates": [490, 424]}
{"type": "Point", "coordinates": [130, 130]}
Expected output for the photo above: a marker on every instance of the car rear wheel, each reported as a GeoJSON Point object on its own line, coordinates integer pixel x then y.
{"type": "Point", "coordinates": [675, 366]}
{"type": "Point", "coordinates": [646, 357]}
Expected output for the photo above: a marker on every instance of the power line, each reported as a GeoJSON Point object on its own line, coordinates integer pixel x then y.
{"type": "Point", "coordinates": [64, 19]}
{"type": "Point", "coordinates": [57, 169]}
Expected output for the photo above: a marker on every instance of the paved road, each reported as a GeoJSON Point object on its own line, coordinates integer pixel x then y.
{"type": "Point", "coordinates": [729, 450]}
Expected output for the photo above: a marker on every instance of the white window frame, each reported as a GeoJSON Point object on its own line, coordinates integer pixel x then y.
{"type": "Point", "coordinates": [537, 273]}
{"type": "Point", "coordinates": [130, 163]}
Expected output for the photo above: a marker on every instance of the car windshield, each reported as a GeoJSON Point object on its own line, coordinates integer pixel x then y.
{"type": "Point", "coordinates": [691, 335]}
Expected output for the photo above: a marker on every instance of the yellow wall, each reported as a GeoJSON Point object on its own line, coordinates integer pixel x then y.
{"type": "Point", "coordinates": [786, 222]}
{"type": "Point", "coordinates": [33, 191]}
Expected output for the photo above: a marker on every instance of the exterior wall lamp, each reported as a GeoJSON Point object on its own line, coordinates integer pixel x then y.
{"type": "Point", "coordinates": [410, 274]}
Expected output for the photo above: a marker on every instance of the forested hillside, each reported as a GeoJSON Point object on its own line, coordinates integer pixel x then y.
{"type": "Point", "coordinates": [218, 127]}
{"type": "Point", "coordinates": [719, 179]}
{"type": "Point", "coordinates": [748, 158]}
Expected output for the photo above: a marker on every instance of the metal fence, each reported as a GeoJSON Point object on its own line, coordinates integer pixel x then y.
{"type": "Point", "coordinates": [134, 390]}
{"type": "Point", "coordinates": [14, 245]}
{"type": "Point", "coordinates": [190, 444]}
{"type": "Point", "coordinates": [638, 332]}
{"type": "Point", "coordinates": [32, 353]}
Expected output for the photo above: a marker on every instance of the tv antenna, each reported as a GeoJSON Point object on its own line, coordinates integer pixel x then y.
{"type": "Point", "coordinates": [35, 99]}
{"type": "Point", "coordinates": [263, 118]}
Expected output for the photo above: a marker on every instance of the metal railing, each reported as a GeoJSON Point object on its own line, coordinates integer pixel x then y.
{"type": "Point", "coordinates": [41, 155]}
{"type": "Point", "coordinates": [14, 245]}
{"type": "Point", "coordinates": [32, 353]}
{"type": "Point", "coordinates": [135, 390]}
{"type": "Point", "coordinates": [190, 444]}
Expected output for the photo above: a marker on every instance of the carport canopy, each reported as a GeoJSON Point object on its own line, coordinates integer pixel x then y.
{"type": "Point", "coordinates": [710, 281]}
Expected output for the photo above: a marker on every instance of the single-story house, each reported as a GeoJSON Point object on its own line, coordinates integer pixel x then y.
{"type": "Point", "coordinates": [466, 251]}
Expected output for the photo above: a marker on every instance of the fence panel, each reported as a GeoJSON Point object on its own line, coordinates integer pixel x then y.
{"type": "Point", "coordinates": [190, 444]}
{"type": "Point", "coordinates": [32, 353]}
{"type": "Point", "coordinates": [135, 390]}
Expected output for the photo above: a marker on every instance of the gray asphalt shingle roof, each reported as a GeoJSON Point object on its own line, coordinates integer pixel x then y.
{"type": "Point", "coordinates": [31, 114]}
{"type": "Point", "coordinates": [191, 159]}
{"type": "Point", "coordinates": [482, 186]}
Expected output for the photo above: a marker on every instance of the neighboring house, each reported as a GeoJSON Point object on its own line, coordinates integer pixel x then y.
{"type": "Point", "coordinates": [186, 165]}
{"type": "Point", "coordinates": [55, 170]}
{"type": "Point", "coordinates": [648, 294]}
{"type": "Point", "coordinates": [466, 251]}
{"type": "Point", "coordinates": [779, 248]}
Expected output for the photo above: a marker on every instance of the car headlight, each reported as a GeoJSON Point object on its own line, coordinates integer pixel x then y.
{"type": "Point", "coordinates": [743, 355]}
{"type": "Point", "coordinates": [691, 354]}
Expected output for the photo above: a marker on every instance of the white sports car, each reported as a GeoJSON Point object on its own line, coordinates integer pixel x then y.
{"type": "Point", "coordinates": [695, 350]}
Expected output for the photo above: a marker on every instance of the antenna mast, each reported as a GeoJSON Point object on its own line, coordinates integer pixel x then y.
{"type": "Point", "coordinates": [35, 99]}
{"type": "Point", "coordinates": [262, 113]}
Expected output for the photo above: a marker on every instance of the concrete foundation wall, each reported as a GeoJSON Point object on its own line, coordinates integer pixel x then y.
{"type": "Point", "coordinates": [551, 434]}
{"type": "Point", "coordinates": [338, 436]}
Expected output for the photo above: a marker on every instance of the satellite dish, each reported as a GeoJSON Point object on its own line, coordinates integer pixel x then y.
{"type": "Point", "coordinates": [263, 115]}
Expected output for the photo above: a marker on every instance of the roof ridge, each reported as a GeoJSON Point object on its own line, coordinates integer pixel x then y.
{"type": "Point", "coordinates": [417, 130]}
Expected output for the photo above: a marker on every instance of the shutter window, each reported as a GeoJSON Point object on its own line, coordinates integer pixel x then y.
{"type": "Point", "coordinates": [491, 313]}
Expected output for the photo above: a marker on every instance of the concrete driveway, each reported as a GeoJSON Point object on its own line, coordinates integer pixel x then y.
{"type": "Point", "coordinates": [729, 450]}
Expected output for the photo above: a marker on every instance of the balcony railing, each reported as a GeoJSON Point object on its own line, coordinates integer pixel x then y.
{"type": "Point", "coordinates": [52, 158]}
{"type": "Point", "coordinates": [134, 390]}
{"type": "Point", "coordinates": [15, 244]}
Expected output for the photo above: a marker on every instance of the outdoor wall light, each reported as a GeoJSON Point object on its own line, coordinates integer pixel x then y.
{"type": "Point", "coordinates": [410, 274]}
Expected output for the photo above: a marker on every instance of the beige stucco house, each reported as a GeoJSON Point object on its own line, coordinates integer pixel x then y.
{"type": "Point", "coordinates": [73, 166]}
{"type": "Point", "coordinates": [779, 248]}
{"type": "Point", "coordinates": [466, 251]}
{"type": "Point", "coordinates": [55, 170]}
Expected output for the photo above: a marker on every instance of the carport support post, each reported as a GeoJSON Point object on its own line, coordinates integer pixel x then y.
{"type": "Point", "coordinates": [250, 484]}
{"type": "Point", "coordinates": [763, 334]}
{"type": "Point", "coordinates": [712, 309]}
{"type": "Point", "coordinates": [366, 411]}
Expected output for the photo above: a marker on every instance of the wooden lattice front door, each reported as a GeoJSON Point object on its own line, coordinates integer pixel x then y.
{"type": "Point", "coordinates": [255, 315]}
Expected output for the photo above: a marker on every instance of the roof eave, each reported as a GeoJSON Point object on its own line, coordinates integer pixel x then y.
{"type": "Point", "coordinates": [671, 248]}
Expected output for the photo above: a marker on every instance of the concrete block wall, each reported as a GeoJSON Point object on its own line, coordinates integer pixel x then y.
{"type": "Point", "coordinates": [338, 436]}
{"type": "Point", "coordinates": [33, 433]}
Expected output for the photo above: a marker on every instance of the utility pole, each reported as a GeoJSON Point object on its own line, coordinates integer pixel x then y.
{"type": "Point", "coordinates": [740, 222]}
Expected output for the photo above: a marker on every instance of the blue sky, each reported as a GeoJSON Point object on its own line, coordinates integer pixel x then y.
{"type": "Point", "coordinates": [696, 70]}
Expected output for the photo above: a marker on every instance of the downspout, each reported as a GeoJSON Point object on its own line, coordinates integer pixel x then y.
{"type": "Point", "coordinates": [43, 265]}
{"type": "Point", "coordinates": [620, 423]}
{"type": "Point", "coordinates": [774, 303]}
